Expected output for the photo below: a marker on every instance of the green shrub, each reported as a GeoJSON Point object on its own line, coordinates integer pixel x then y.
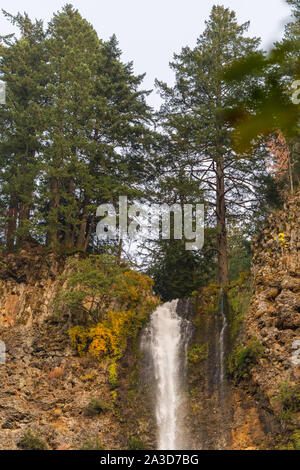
{"type": "Point", "coordinates": [239, 297]}
{"type": "Point", "coordinates": [293, 443]}
{"type": "Point", "coordinates": [92, 444]}
{"type": "Point", "coordinates": [108, 305]}
{"type": "Point", "coordinates": [98, 406]}
{"type": "Point", "coordinates": [197, 354]}
{"type": "Point", "coordinates": [286, 417]}
{"type": "Point", "coordinates": [243, 358]}
{"type": "Point", "coordinates": [31, 441]}
{"type": "Point", "coordinates": [296, 440]}
{"type": "Point", "coordinates": [136, 444]}
{"type": "Point", "coordinates": [289, 397]}
{"type": "Point", "coordinates": [113, 374]}
{"type": "Point", "coordinates": [95, 283]}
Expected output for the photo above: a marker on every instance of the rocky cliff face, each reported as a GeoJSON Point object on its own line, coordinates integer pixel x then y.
{"type": "Point", "coordinates": [221, 415]}
{"type": "Point", "coordinates": [274, 313]}
{"type": "Point", "coordinates": [260, 405]}
{"type": "Point", "coordinates": [45, 386]}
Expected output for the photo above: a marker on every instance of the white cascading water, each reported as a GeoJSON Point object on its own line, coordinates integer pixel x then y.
{"type": "Point", "coordinates": [166, 337]}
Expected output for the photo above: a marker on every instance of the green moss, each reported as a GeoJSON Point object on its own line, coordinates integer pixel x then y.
{"type": "Point", "coordinates": [293, 443]}
{"type": "Point", "coordinates": [98, 406]}
{"type": "Point", "coordinates": [289, 397]}
{"type": "Point", "coordinates": [286, 417]}
{"type": "Point", "coordinates": [239, 297]}
{"type": "Point", "coordinates": [113, 374]}
{"type": "Point", "coordinates": [243, 358]}
{"type": "Point", "coordinates": [208, 299]}
{"type": "Point", "coordinates": [30, 441]}
{"type": "Point", "coordinates": [136, 444]}
{"type": "Point", "coordinates": [296, 440]}
{"type": "Point", "coordinates": [92, 444]}
{"type": "Point", "coordinates": [197, 354]}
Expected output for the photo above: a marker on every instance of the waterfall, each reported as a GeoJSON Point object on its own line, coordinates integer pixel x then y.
{"type": "Point", "coordinates": [166, 340]}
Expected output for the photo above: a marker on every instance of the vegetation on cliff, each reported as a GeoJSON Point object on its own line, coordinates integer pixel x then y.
{"type": "Point", "coordinates": [108, 303]}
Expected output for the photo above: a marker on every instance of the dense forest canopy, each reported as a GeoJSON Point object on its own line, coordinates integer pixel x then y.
{"type": "Point", "coordinates": [76, 132]}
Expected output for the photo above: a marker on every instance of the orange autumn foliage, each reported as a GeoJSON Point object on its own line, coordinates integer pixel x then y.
{"type": "Point", "coordinates": [133, 286]}
{"type": "Point", "coordinates": [109, 337]}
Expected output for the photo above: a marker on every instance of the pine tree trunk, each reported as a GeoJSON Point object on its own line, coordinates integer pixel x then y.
{"type": "Point", "coordinates": [52, 236]}
{"type": "Point", "coordinates": [89, 232]}
{"type": "Point", "coordinates": [120, 249]}
{"type": "Point", "coordinates": [291, 176]}
{"type": "Point", "coordinates": [11, 226]}
{"type": "Point", "coordinates": [69, 231]}
{"type": "Point", "coordinates": [221, 225]}
{"type": "Point", "coordinates": [24, 215]}
{"type": "Point", "coordinates": [82, 233]}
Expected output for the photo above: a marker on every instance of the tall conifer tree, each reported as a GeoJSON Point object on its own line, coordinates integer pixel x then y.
{"type": "Point", "coordinates": [22, 68]}
{"type": "Point", "coordinates": [193, 115]}
{"type": "Point", "coordinates": [75, 131]}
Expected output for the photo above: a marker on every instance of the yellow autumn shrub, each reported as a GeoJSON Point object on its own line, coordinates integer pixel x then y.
{"type": "Point", "coordinates": [133, 285]}
{"type": "Point", "coordinates": [79, 339]}
{"type": "Point", "coordinates": [108, 338]}
{"type": "Point", "coordinates": [131, 303]}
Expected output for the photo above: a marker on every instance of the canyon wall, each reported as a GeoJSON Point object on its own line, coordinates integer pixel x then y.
{"type": "Point", "coordinates": [260, 405]}
{"type": "Point", "coordinates": [45, 387]}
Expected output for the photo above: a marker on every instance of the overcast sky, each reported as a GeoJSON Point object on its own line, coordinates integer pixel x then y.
{"type": "Point", "coordinates": [150, 31]}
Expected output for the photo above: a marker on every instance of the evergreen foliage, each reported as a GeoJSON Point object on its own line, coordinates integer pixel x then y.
{"type": "Point", "coordinates": [200, 136]}
{"type": "Point", "coordinates": [243, 358]}
{"type": "Point", "coordinates": [30, 441]}
{"type": "Point", "coordinates": [75, 131]}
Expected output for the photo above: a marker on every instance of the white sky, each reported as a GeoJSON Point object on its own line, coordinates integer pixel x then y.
{"type": "Point", "coordinates": [150, 31]}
